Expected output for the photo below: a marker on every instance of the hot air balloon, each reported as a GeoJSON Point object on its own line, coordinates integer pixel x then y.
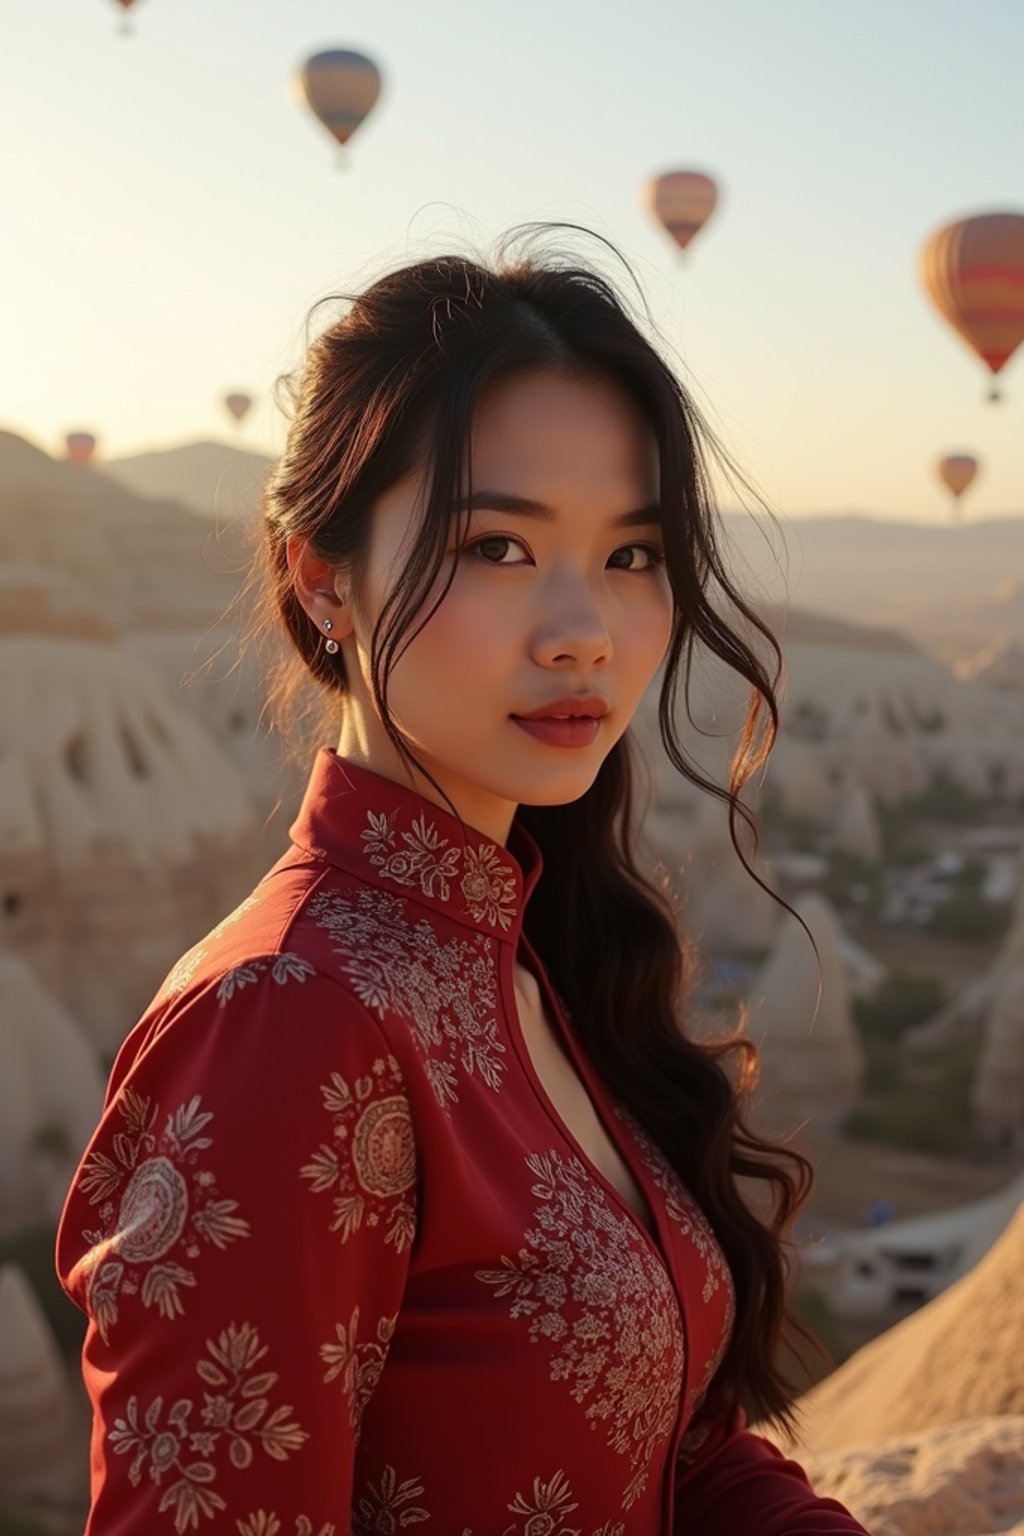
{"type": "Point", "coordinates": [973, 271]}
{"type": "Point", "coordinates": [957, 470]}
{"type": "Point", "coordinates": [682, 201]}
{"type": "Point", "coordinates": [81, 447]}
{"type": "Point", "coordinates": [341, 87]}
{"type": "Point", "coordinates": [238, 405]}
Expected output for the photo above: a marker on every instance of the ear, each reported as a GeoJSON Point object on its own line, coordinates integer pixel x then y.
{"type": "Point", "coordinates": [320, 588]}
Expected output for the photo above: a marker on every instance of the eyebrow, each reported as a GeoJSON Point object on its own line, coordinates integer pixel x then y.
{"type": "Point", "coordinates": [503, 501]}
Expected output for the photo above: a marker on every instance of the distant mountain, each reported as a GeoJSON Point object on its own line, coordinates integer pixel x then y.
{"type": "Point", "coordinates": [949, 589]}
{"type": "Point", "coordinates": [142, 564]}
{"type": "Point", "coordinates": [217, 480]}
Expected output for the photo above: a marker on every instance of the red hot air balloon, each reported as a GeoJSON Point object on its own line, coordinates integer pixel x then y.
{"type": "Point", "coordinates": [682, 201]}
{"type": "Point", "coordinates": [973, 271]}
{"type": "Point", "coordinates": [81, 446]}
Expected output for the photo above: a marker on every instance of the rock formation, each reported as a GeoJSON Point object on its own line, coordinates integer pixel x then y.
{"type": "Point", "coordinates": [125, 830]}
{"type": "Point", "coordinates": [51, 1095]}
{"type": "Point", "coordinates": [812, 1066]}
{"type": "Point", "coordinates": [959, 1357]}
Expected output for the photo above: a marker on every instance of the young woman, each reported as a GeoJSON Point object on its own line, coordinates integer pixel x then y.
{"type": "Point", "coordinates": [412, 1203]}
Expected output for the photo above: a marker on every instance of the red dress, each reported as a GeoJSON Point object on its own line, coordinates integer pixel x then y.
{"type": "Point", "coordinates": [345, 1268]}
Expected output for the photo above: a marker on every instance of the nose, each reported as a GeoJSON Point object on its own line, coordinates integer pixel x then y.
{"type": "Point", "coordinates": [572, 624]}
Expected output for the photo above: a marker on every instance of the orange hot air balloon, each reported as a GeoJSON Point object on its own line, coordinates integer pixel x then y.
{"type": "Point", "coordinates": [81, 447]}
{"type": "Point", "coordinates": [682, 201]}
{"type": "Point", "coordinates": [957, 470]}
{"type": "Point", "coordinates": [973, 271]}
{"type": "Point", "coordinates": [340, 87]}
{"type": "Point", "coordinates": [238, 405]}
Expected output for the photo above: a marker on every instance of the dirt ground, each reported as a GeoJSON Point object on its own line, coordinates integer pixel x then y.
{"type": "Point", "coordinates": [851, 1175]}
{"type": "Point", "coordinates": [916, 953]}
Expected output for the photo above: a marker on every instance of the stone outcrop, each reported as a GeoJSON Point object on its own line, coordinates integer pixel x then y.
{"type": "Point", "coordinates": [812, 1063]}
{"type": "Point", "coordinates": [959, 1357]}
{"type": "Point", "coordinates": [51, 1096]}
{"type": "Point", "coordinates": [964, 1479]}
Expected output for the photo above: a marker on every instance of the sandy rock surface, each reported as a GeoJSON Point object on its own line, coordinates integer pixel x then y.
{"type": "Point", "coordinates": [964, 1479]}
{"type": "Point", "coordinates": [960, 1357]}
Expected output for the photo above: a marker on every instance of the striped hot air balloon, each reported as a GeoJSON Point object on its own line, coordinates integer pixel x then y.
{"type": "Point", "coordinates": [81, 446]}
{"type": "Point", "coordinates": [682, 201]}
{"type": "Point", "coordinates": [340, 87]}
{"type": "Point", "coordinates": [973, 271]}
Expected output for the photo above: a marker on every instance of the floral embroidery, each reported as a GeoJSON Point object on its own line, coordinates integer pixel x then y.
{"type": "Point", "coordinates": [378, 1170]}
{"type": "Point", "coordinates": [184, 970]}
{"type": "Point", "coordinates": [447, 989]}
{"type": "Point", "coordinates": [681, 1207]}
{"type": "Point", "coordinates": [260, 1523]}
{"type": "Point", "coordinates": [548, 1508]}
{"type": "Point", "coordinates": [691, 1444]}
{"type": "Point", "coordinates": [692, 1222]}
{"type": "Point", "coordinates": [362, 1364]}
{"type": "Point", "coordinates": [488, 884]}
{"type": "Point", "coordinates": [283, 968]}
{"type": "Point", "coordinates": [600, 1297]}
{"type": "Point", "coordinates": [156, 1213]}
{"type": "Point", "coordinates": [378, 1511]}
{"type": "Point", "coordinates": [235, 1412]}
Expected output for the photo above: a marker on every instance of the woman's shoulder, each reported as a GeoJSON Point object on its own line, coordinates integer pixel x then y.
{"type": "Point", "coordinates": [268, 974]}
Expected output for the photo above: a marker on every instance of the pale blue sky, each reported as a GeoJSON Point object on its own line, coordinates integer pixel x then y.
{"type": "Point", "coordinates": [174, 212]}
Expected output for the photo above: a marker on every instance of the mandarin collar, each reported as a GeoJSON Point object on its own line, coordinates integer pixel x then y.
{"type": "Point", "coordinates": [394, 837]}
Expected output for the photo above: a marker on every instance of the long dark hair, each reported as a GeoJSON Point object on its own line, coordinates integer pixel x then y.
{"type": "Point", "coordinates": [391, 385]}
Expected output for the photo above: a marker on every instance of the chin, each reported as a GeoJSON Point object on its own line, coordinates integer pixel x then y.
{"type": "Point", "coordinates": [561, 791]}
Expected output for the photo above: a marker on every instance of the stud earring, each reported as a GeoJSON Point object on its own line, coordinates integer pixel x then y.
{"type": "Point", "coordinates": [331, 646]}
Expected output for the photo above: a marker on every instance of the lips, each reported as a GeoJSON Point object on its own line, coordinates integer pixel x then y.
{"type": "Point", "coordinates": [591, 708]}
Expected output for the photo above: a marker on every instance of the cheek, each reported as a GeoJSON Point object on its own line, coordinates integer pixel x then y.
{"type": "Point", "coordinates": [650, 623]}
{"type": "Point", "coordinates": [467, 625]}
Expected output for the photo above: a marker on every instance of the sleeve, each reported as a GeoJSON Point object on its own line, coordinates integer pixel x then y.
{"type": "Point", "coordinates": [730, 1480]}
{"type": "Point", "coordinates": [238, 1234]}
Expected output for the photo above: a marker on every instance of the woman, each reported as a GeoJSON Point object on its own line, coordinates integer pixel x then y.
{"type": "Point", "coordinates": [411, 1202]}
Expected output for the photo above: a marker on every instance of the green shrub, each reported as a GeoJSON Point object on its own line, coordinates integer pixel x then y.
{"type": "Point", "coordinates": [968, 919]}
{"type": "Point", "coordinates": [901, 1002]}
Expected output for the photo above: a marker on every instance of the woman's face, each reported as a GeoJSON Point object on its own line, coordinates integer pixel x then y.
{"type": "Point", "coordinates": [573, 602]}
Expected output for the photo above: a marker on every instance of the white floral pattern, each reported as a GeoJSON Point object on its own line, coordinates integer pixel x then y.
{"type": "Point", "coordinates": [283, 968]}
{"type": "Point", "coordinates": [684, 1210]}
{"type": "Point", "coordinates": [181, 974]}
{"type": "Point", "coordinates": [380, 1512]}
{"type": "Point", "coordinates": [446, 989]}
{"type": "Point", "coordinates": [488, 883]}
{"type": "Point", "coordinates": [166, 1208]}
{"type": "Point", "coordinates": [597, 1295]}
{"type": "Point", "coordinates": [373, 1170]}
{"type": "Point", "coordinates": [236, 1412]}
{"type": "Point", "coordinates": [264, 1523]}
{"type": "Point", "coordinates": [359, 1365]}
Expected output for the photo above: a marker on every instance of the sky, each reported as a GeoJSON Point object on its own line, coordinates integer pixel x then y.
{"type": "Point", "coordinates": [174, 211]}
